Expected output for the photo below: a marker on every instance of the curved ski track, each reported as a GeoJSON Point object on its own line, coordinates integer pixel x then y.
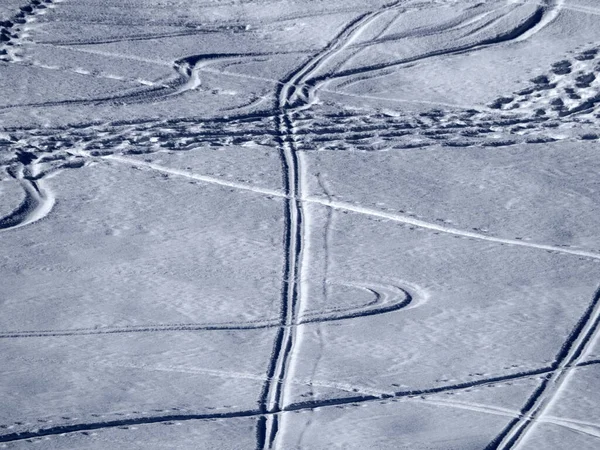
{"type": "Point", "coordinates": [36, 205]}
{"type": "Point", "coordinates": [297, 92]}
{"type": "Point", "coordinates": [543, 16]}
{"type": "Point", "coordinates": [288, 95]}
{"type": "Point", "coordinates": [387, 299]}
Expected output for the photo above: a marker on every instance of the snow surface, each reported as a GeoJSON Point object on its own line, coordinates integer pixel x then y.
{"type": "Point", "coordinates": [299, 224]}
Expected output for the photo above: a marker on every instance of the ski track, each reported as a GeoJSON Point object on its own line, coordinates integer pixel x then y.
{"type": "Point", "coordinates": [351, 401]}
{"type": "Point", "coordinates": [272, 396]}
{"type": "Point", "coordinates": [562, 5]}
{"type": "Point", "coordinates": [130, 38]}
{"type": "Point", "coordinates": [319, 330]}
{"type": "Point", "coordinates": [387, 299]}
{"type": "Point", "coordinates": [354, 208]}
{"type": "Point", "coordinates": [537, 21]}
{"type": "Point", "coordinates": [295, 94]}
{"type": "Point", "coordinates": [84, 72]}
{"type": "Point", "coordinates": [189, 67]}
{"type": "Point", "coordinates": [188, 71]}
{"type": "Point", "coordinates": [573, 351]}
{"type": "Point", "coordinates": [298, 93]}
{"type": "Point", "coordinates": [288, 93]}
{"type": "Point", "coordinates": [588, 428]}
{"type": "Point", "coordinates": [36, 205]}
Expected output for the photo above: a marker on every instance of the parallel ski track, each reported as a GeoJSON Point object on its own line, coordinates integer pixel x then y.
{"type": "Point", "coordinates": [583, 336]}
{"type": "Point", "coordinates": [287, 96]}
{"type": "Point", "coordinates": [387, 299]}
{"type": "Point", "coordinates": [543, 15]}
{"type": "Point", "coordinates": [292, 95]}
{"type": "Point", "coordinates": [298, 93]}
{"type": "Point", "coordinates": [294, 92]}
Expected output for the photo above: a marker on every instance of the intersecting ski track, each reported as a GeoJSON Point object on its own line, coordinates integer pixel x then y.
{"type": "Point", "coordinates": [257, 414]}
{"type": "Point", "coordinates": [571, 354]}
{"type": "Point", "coordinates": [387, 299]}
{"type": "Point", "coordinates": [295, 93]}
{"type": "Point", "coordinates": [290, 97]}
{"type": "Point", "coordinates": [357, 209]}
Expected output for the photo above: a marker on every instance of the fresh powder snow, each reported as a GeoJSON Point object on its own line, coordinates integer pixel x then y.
{"type": "Point", "coordinates": [300, 224]}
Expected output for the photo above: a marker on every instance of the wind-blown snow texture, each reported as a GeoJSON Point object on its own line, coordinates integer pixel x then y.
{"type": "Point", "coordinates": [299, 224]}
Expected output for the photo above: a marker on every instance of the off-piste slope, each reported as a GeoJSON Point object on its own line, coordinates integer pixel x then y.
{"type": "Point", "coordinates": [291, 310]}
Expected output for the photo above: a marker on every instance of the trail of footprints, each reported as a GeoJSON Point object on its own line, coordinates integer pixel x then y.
{"type": "Point", "coordinates": [562, 104]}
{"type": "Point", "coordinates": [567, 97]}
{"type": "Point", "coordinates": [570, 87]}
{"type": "Point", "coordinates": [14, 30]}
{"type": "Point", "coordinates": [68, 147]}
